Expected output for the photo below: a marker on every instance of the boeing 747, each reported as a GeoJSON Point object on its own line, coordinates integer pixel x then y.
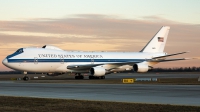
{"type": "Point", "coordinates": [54, 61]}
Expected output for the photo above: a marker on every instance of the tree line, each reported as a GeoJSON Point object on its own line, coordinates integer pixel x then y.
{"type": "Point", "coordinates": [175, 69]}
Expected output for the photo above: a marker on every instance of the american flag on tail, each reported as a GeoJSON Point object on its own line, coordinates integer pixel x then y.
{"type": "Point", "coordinates": [160, 39]}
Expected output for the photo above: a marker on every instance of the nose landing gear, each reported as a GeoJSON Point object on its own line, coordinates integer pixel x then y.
{"type": "Point", "coordinates": [25, 78]}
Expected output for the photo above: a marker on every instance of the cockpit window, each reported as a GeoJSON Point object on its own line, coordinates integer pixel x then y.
{"type": "Point", "coordinates": [44, 46]}
{"type": "Point", "coordinates": [20, 50]}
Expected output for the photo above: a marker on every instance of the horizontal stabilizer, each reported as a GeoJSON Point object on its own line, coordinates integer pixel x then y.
{"type": "Point", "coordinates": [177, 59]}
{"type": "Point", "coordinates": [169, 55]}
{"type": "Point", "coordinates": [165, 60]}
{"type": "Point", "coordinates": [196, 57]}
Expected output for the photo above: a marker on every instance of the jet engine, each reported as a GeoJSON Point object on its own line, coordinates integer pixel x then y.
{"type": "Point", "coordinates": [141, 67]}
{"type": "Point", "coordinates": [97, 71]}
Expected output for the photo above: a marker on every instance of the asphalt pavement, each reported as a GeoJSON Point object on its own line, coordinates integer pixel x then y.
{"type": "Point", "coordinates": [137, 93]}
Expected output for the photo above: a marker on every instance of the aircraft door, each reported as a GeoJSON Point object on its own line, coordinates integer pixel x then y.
{"type": "Point", "coordinates": [62, 60]}
{"type": "Point", "coordinates": [35, 60]}
{"type": "Point", "coordinates": [92, 60]}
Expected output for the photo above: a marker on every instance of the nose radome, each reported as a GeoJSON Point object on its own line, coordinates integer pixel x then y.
{"type": "Point", "coordinates": [5, 61]}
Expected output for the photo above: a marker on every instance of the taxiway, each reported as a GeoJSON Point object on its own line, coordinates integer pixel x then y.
{"type": "Point", "coordinates": [138, 93]}
{"type": "Point", "coordinates": [110, 76]}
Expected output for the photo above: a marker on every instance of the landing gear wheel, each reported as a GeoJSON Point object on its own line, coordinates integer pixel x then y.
{"type": "Point", "coordinates": [102, 77]}
{"type": "Point", "coordinates": [82, 77]}
{"type": "Point", "coordinates": [91, 77]}
{"type": "Point", "coordinates": [79, 77]}
{"type": "Point", "coordinates": [95, 77]}
{"type": "Point", "coordinates": [25, 78]}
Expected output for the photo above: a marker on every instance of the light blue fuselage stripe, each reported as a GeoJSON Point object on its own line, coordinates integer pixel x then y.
{"type": "Point", "coordinates": [74, 60]}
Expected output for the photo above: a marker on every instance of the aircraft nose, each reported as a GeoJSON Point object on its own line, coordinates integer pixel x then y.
{"type": "Point", "coordinates": [5, 61]}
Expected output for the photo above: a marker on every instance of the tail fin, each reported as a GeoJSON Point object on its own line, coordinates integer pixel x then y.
{"type": "Point", "coordinates": [157, 43]}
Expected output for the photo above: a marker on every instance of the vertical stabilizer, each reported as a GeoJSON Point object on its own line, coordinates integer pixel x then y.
{"type": "Point", "coordinates": [157, 43]}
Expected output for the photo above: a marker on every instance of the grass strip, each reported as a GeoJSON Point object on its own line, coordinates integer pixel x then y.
{"type": "Point", "coordinates": [27, 104]}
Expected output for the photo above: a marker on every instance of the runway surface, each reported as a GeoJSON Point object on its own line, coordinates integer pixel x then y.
{"type": "Point", "coordinates": [155, 75]}
{"type": "Point", "coordinates": [137, 93]}
{"type": "Point", "coordinates": [113, 76]}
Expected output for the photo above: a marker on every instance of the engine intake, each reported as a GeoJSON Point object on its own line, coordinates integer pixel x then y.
{"type": "Point", "coordinates": [97, 71]}
{"type": "Point", "coordinates": [141, 67]}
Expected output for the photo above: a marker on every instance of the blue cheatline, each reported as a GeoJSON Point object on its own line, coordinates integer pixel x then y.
{"type": "Point", "coordinates": [74, 60]}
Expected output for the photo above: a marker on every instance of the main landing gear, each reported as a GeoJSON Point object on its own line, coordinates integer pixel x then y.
{"type": "Point", "coordinates": [96, 77]}
{"type": "Point", "coordinates": [25, 78]}
{"type": "Point", "coordinates": [79, 76]}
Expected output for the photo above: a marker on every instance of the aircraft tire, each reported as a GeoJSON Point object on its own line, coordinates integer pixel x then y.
{"type": "Point", "coordinates": [25, 78]}
{"type": "Point", "coordinates": [102, 77]}
{"type": "Point", "coordinates": [91, 77]}
{"type": "Point", "coordinates": [79, 77]}
{"type": "Point", "coordinates": [94, 77]}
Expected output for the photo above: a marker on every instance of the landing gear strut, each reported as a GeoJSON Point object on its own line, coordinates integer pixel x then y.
{"type": "Point", "coordinates": [79, 76]}
{"type": "Point", "coordinates": [25, 78]}
{"type": "Point", "coordinates": [96, 77]}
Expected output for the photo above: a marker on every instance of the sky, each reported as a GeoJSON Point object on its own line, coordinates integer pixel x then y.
{"type": "Point", "coordinates": [100, 25]}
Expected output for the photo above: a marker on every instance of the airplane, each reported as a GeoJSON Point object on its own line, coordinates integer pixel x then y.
{"type": "Point", "coordinates": [54, 61]}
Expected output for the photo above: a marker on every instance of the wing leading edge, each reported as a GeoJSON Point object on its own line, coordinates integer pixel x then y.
{"type": "Point", "coordinates": [88, 66]}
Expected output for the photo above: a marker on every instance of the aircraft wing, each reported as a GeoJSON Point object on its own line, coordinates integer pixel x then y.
{"type": "Point", "coordinates": [82, 66]}
{"type": "Point", "coordinates": [117, 64]}
{"type": "Point", "coordinates": [88, 66]}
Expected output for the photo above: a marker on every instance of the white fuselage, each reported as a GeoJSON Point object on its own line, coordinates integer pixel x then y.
{"type": "Point", "coordinates": [51, 61]}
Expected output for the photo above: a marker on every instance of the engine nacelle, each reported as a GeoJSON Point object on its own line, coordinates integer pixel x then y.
{"type": "Point", "coordinates": [97, 71]}
{"type": "Point", "coordinates": [141, 67]}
